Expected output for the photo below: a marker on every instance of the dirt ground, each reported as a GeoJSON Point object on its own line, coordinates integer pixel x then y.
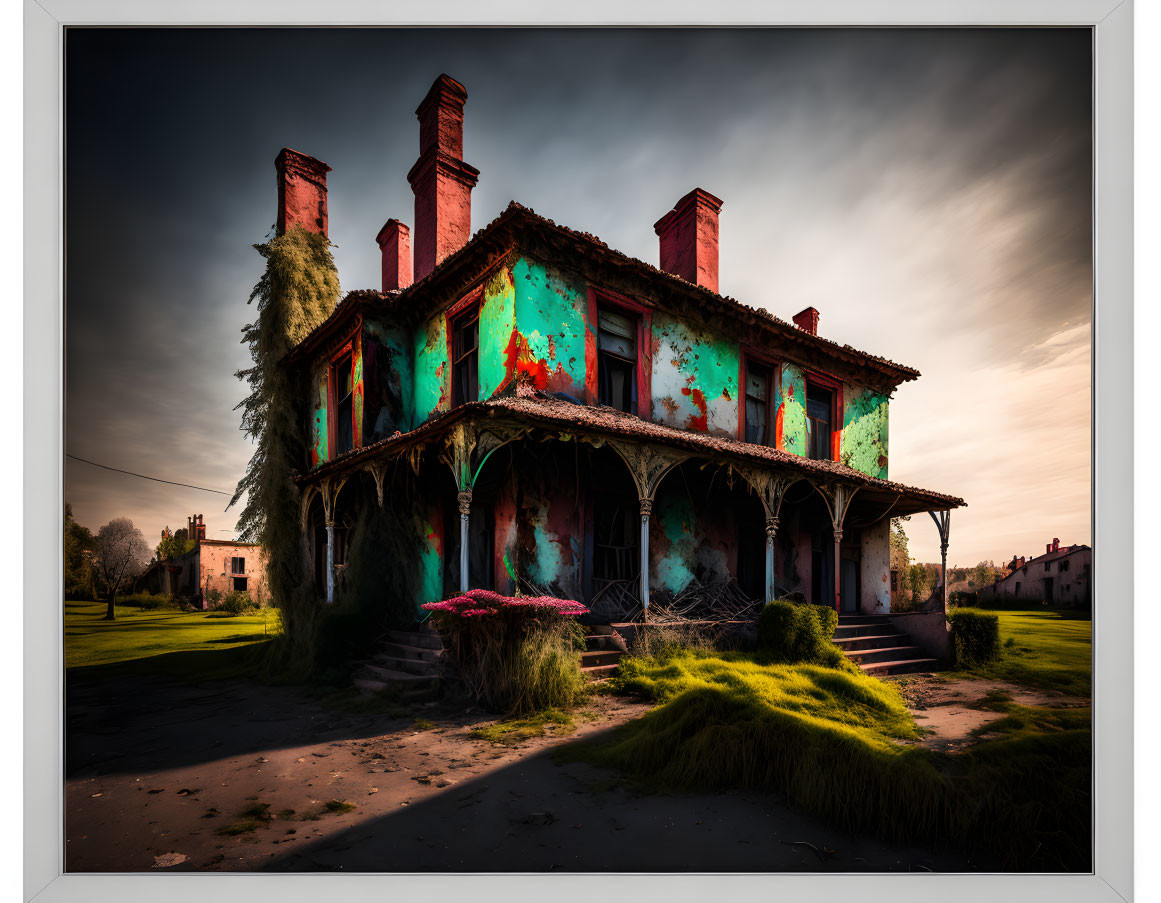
{"type": "Point", "coordinates": [156, 772]}
{"type": "Point", "coordinates": [942, 707]}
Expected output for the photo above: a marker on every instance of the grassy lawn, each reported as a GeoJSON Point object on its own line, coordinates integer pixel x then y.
{"type": "Point", "coordinates": [136, 637]}
{"type": "Point", "coordinates": [834, 743]}
{"type": "Point", "coordinates": [1049, 649]}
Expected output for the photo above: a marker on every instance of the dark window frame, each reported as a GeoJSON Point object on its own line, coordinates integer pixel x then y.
{"type": "Point", "coordinates": [236, 568]}
{"type": "Point", "coordinates": [835, 388]}
{"type": "Point", "coordinates": [751, 355]}
{"type": "Point", "coordinates": [465, 312]}
{"type": "Point", "coordinates": [642, 315]}
{"type": "Point", "coordinates": [345, 355]}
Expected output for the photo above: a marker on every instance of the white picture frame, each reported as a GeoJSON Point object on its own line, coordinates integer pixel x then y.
{"type": "Point", "coordinates": [1113, 497]}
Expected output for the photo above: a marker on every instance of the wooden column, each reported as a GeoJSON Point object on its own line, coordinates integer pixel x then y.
{"type": "Point", "coordinates": [771, 532]}
{"type": "Point", "coordinates": [646, 512]}
{"type": "Point", "coordinates": [330, 561]}
{"type": "Point", "coordinates": [465, 503]}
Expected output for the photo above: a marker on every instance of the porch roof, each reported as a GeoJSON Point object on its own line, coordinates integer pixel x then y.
{"type": "Point", "coordinates": [560, 416]}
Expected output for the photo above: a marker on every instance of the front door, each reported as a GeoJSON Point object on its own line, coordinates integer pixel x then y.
{"type": "Point", "coordinates": [1048, 587]}
{"type": "Point", "coordinates": [849, 588]}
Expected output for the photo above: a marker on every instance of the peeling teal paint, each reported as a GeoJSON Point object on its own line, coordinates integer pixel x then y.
{"type": "Point", "coordinates": [432, 381]}
{"type": "Point", "coordinates": [497, 323]}
{"type": "Point", "coordinates": [548, 346]}
{"type": "Point", "coordinates": [695, 378]}
{"type": "Point", "coordinates": [545, 567]}
{"type": "Point", "coordinates": [864, 437]}
{"type": "Point", "coordinates": [320, 444]}
{"type": "Point", "coordinates": [790, 420]}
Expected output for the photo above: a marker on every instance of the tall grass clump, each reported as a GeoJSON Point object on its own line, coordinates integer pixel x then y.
{"type": "Point", "coordinates": [296, 293]}
{"type": "Point", "coordinates": [515, 655]}
{"type": "Point", "coordinates": [975, 636]}
{"type": "Point", "coordinates": [798, 632]}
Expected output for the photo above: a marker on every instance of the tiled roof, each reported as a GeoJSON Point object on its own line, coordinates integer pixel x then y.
{"type": "Point", "coordinates": [515, 212]}
{"type": "Point", "coordinates": [563, 415]}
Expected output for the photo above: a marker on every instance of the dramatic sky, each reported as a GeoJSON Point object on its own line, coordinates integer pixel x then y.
{"type": "Point", "coordinates": [929, 192]}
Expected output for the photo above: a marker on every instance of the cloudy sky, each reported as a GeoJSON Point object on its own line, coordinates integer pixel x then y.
{"type": "Point", "coordinates": [927, 191]}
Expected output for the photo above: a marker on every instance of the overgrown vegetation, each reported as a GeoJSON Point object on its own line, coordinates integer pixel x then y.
{"type": "Point", "coordinates": [975, 636]}
{"type": "Point", "coordinates": [832, 741]}
{"type": "Point", "coordinates": [296, 293]}
{"type": "Point", "coordinates": [514, 655]}
{"type": "Point", "coordinates": [148, 601]}
{"type": "Point", "coordinates": [512, 731]}
{"type": "Point", "coordinates": [238, 602]}
{"type": "Point", "coordinates": [798, 632]}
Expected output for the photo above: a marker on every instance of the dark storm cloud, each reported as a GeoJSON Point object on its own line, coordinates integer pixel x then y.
{"type": "Point", "coordinates": [916, 186]}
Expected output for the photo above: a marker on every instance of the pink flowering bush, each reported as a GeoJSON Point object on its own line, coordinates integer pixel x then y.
{"type": "Point", "coordinates": [515, 654]}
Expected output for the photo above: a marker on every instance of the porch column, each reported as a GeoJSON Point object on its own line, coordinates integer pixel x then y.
{"type": "Point", "coordinates": [943, 525]}
{"type": "Point", "coordinates": [646, 511]}
{"type": "Point", "coordinates": [771, 532]}
{"type": "Point", "coordinates": [838, 564]}
{"type": "Point", "coordinates": [465, 502]}
{"type": "Point", "coordinates": [330, 561]}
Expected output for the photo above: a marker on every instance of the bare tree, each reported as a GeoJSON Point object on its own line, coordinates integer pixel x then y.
{"type": "Point", "coordinates": [120, 555]}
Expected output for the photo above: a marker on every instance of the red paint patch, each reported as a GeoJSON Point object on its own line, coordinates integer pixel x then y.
{"type": "Point", "coordinates": [510, 354]}
{"type": "Point", "coordinates": [778, 429]}
{"type": "Point", "coordinates": [700, 421]}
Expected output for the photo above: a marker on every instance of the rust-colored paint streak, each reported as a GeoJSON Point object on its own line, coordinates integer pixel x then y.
{"type": "Point", "coordinates": [699, 421]}
{"type": "Point", "coordinates": [510, 354]}
{"type": "Point", "coordinates": [778, 429]}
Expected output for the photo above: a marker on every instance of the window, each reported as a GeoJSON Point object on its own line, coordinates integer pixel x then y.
{"type": "Point", "coordinates": [616, 360]}
{"type": "Point", "coordinates": [239, 584]}
{"type": "Point", "coordinates": [237, 565]}
{"type": "Point", "coordinates": [466, 356]}
{"type": "Point", "coordinates": [819, 415]}
{"type": "Point", "coordinates": [757, 397]}
{"type": "Point", "coordinates": [343, 376]}
{"type": "Point", "coordinates": [1047, 566]}
{"type": "Point", "coordinates": [1064, 565]}
{"type": "Point", "coordinates": [1017, 587]}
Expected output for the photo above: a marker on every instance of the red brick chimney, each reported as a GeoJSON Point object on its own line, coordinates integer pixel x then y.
{"type": "Point", "coordinates": [689, 239]}
{"type": "Point", "coordinates": [302, 192]}
{"type": "Point", "coordinates": [441, 180]}
{"type": "Point", "coordinates": [807, 320]}
{"type": "Point", "coordinates": [394, 241]}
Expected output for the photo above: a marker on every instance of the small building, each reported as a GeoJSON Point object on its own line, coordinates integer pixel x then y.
{"type": "Point", "coordinates": [1062, 577]}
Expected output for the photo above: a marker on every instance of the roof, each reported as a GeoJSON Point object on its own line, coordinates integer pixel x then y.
{"type": "Point", "coordinates": [516, 217]}
{"type": "Point", "coordinates": [563, 415]}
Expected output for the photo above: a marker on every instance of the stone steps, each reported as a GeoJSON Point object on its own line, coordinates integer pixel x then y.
{"type": "Point", "coordinates": [909, 666]}
{"type": "Point", "coordinates": [408, 664]}
{"type": "Point", "coordinates": [879, 648]}
{"type": "Point", "coordinates": [884, 654]}
{"type": "Point", "coordinates": [603, 650]}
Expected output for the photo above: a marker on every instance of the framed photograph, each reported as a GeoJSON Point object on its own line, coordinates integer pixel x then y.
{"type": "Point", "coordinates": [623, 452]}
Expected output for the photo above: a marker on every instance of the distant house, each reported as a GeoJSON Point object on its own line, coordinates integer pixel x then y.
{"type": "Point", "coordinates": [224, 565]}
{"type": "Point", "coordinates": [1062, 576]}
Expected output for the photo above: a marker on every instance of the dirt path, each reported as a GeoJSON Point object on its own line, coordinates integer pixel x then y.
{"type": "Point", "coordinates": [944, 707]}
{"type": "Point", "coordinates": [156, 772]}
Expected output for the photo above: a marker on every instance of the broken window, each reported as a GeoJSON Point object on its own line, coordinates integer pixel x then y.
{"type": "Point", "coordinates": [466, 357]}
{"type": "Point", "coordinates": [616, 360]}
{"type": "Point", "coordinates": [758, 403]}
{"type": "Point", "coordinates": [819, 414]}
{"type": "Point", "coordinates": [615, 555]}
{"type": "Point", "coordinates": [237, 565]}
{"type": "Point", "coordinates": [239, 584]}
{"type": "Point", "coordinates": [344, 383]}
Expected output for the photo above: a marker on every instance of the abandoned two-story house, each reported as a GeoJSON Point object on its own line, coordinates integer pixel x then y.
{"type": "Point", "coordinates": [585, 424]}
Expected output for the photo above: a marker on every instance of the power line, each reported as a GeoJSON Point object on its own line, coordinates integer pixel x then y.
{"type": "Point", "coordinates": [144, 477]}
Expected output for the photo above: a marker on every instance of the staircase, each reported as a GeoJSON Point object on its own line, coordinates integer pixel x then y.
{"type": "Point", "coordinates": [408, 664]}
{"type": "Point", "coordinates": [878, 647]}
{"type": "Point", "coordinates": [603, 650]}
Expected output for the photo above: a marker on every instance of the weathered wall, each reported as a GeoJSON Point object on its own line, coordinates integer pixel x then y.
{"type": "Point", "coordinates": [387, 379]}
{"type": "Point", "coordinates": [695, 378]}
{"type": "Point", "coordinates": [497, 325]}
{"type": "Point", "coordinates": [431, 389]}
{"type": "Point", "coordinates": [875, 566]}
{"type": "Point", "coordinates": [547, 347]}
{"type": "Point", "coordinates": [689, 538]}
{"type": "Point", "coordinates": [864, 436]}
{"type": "Point", "coordinates": [213, 560]}
{"type": "Point", "coordinates": [928, 630]}
{"type": "Point", "coordinates": [319, 442]}
{"type": "Point", "coordinates": [790, 418]}
{"type": "Point", "coordinates": [1070, 587]}
{"type": "Point", "coordinates": [431, 558]}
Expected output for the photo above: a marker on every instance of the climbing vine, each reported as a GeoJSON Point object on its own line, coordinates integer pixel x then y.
{"type": "Point", "coordinates": [296, 293]}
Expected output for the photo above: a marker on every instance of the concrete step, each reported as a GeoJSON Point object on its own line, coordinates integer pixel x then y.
{"type": "Point", "coordinates": [406, 650]}
{"type": "Point", "coordinates": [600, 657]}
{"type": "Point", "coordinates": [876, 641]}
{"type": "Point", "coordinates": [907, 666]}
{"type": "Point", "coordinates": [860, 620]}
{"type": "Point", "coordinates": [406, 665]}
{"type": "Point", "coordinates": [609, 641]}
{"type": "Point", "coordinates": [426, 639]}
{"type": "Point", "coordinates": [598, 672]}
{"type": "Point", "coordinates": [884, 654]}
{"type": "Point", "coordinates": [392, 675]}
{"type": "Point", "coordinates": [843, 632]}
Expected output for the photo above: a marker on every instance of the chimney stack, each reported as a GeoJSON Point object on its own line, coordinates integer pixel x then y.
{"type": "Point", "coordinates": [302, 192]}
{"type": "Point", "coordinates": [807, 320]}
{"type": "Point", "coordinates": [689, 239]}
{"type": "Point", "coordinates": [394, 241]}
{"type": "Point", "coordinates": [441, 180]}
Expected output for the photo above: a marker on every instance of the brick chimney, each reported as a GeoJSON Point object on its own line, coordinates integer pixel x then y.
{"type": "Point", "coordinates": [1053, 546]}
{"type": "Point", "coordinates": [689, 239]}
{"type": "Point", "coordinates": [807, 320]}
{"type": "Point", "coordinates": [441, 180]}
{"type": "Point", "coordinates": [302, 192]}
{"type": "Point", "coordinates": [394, 241]}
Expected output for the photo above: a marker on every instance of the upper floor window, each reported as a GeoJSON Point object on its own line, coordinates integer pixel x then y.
{"type": "Point", "coordinates": [466, 356]}
{"type": "Point", "coordinates": [616, 360]}
{"type": "Point", "coordinates": [1047, 565]}
{"type": "Point", "coordinates": [1064, 565]}
{"type": "Point", "coordinates": [343, 378]}
{"type": "Point", "coordinates": [758, 394]}
{"type": "Point", "coordinates": [237, 565]}
{"type": "Point", "coordinates": [820, 416]}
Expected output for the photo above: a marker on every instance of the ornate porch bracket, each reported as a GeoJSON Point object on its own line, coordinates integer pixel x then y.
{"type": "Point", "coordinates": [838, 497]}
{"type": "Point", "coordinates": [771, 489]}
{"type": "Point", "coordinates": [378, 471]}
{"type": "Point", "coordinates": [943, 525]}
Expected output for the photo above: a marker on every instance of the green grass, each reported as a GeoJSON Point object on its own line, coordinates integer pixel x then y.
{"type": "Point", "coordinates": [830, 741]}
{"type": "Point", "coordinates": [1048, 649]}
{"type": "Point", "coordinates": [512, 731]}
{"type": "Point", "coordinates": [160, 639]}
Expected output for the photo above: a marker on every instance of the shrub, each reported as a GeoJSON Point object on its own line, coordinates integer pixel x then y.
{"type": "Point", "coordinates": [798, 632]}
{"type": "Point", "coordinates": [238, 602]}
{"type": "Point", "coordinates": [147, 601]}
{"type": "Point", "coordinates": [515, 655]}
{"type": "Point", "coordinates": [975, 636]}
